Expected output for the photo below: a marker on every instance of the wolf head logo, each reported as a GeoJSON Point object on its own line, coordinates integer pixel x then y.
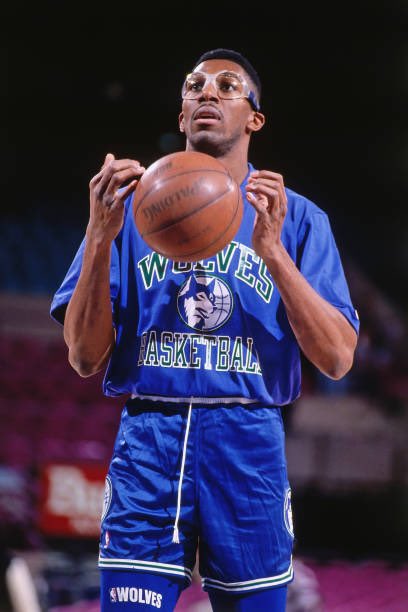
{"type": "Point", "coordinates": [204, 302]}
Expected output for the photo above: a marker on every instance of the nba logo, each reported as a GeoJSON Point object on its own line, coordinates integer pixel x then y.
{"type": "Point", "coordinates": [288, 512]}
{"type": "Point", "coordinates": [107, 539]}
{"type": "Point", "coordinates": [113, 594]}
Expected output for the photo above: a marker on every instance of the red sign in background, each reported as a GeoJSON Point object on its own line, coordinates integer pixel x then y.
{"type": "Point", "coordinates": [71, 499]}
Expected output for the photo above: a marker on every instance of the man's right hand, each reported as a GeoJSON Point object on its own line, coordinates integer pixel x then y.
{"type": "Point", "coordinates": [107, 198]}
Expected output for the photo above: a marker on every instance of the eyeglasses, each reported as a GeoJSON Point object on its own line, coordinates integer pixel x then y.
{"type": "Point", "coordinates": [228, 85]}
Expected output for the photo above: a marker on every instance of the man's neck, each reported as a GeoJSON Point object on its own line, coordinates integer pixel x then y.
{"type": "Point", "coordinates": [235, 161]}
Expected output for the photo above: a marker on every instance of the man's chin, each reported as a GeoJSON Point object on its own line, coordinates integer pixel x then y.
{"type": "Point", "coordinates": [205, 142]}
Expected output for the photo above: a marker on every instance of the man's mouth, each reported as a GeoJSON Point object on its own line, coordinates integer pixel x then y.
{"type": "Point", "coordinates": [207, 113]}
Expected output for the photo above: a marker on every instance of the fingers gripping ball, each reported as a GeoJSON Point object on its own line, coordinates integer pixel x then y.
{"type": "Point", "coordinates": [187, 206]}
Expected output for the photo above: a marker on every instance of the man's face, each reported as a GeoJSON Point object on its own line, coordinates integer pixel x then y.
{"type": "Point", "coordinates": [214, 124]}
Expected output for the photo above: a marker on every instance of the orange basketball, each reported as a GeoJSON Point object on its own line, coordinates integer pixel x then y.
{"type": "Point", "coordinates": [187, 206]}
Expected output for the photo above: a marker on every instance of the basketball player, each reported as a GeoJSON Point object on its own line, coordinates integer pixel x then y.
{"type": "Point", "coordinates": [209, 355]}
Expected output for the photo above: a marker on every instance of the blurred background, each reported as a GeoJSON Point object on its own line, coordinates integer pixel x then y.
{"type": "Point", "coordinates": [81, 79]}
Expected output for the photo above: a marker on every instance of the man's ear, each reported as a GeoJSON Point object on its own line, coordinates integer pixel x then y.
{"type": "Point", "coordinates": [256, 121]}
{"type": "Point", "coordinates": [181, 122]}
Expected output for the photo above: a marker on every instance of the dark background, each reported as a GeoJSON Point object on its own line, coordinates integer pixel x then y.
{"type": "Point", "coordinates": [85, 78]}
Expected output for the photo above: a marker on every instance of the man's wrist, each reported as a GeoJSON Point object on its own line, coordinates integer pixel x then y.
{"type": "Point", "coordinates": [97, 240]}
{"type": "Point", "coordinates": [276, 257]}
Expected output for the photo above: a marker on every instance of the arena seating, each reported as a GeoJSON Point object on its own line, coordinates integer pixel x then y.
{"type": "Point", "coordinates": [48, 411]}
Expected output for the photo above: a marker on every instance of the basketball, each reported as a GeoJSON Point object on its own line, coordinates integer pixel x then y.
{"type": "Point", "coordinates": [187, 206]}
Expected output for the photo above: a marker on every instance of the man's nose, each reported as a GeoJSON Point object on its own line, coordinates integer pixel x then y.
{"type": "Point", "coordinates": [209, 90]}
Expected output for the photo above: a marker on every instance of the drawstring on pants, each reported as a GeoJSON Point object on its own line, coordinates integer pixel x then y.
{"type": "Point", "coordinates": [176, 538]}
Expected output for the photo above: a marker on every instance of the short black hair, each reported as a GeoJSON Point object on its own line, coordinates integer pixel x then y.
{"type": "Point", "coordinates": [236, 57]}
